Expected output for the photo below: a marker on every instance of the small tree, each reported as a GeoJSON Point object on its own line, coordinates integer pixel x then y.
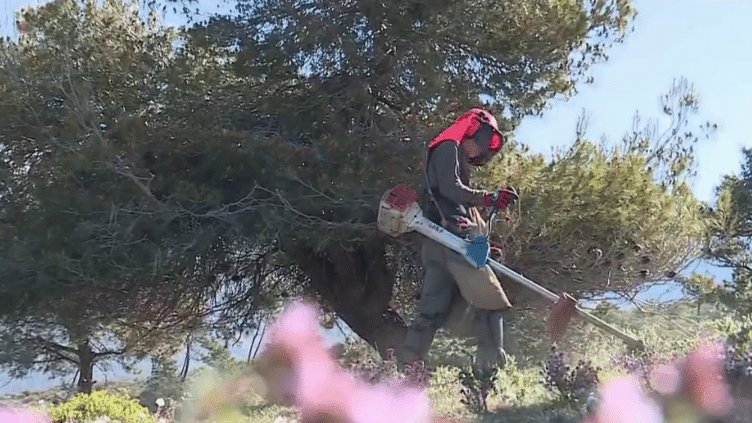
{"type": "Point", "coordinates": [728, 243]}
{"type": "Point", "coordinates": [90, 256]}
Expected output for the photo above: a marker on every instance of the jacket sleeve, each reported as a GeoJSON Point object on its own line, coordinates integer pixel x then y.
{"type": "Point", "coordinates": [445, 162]}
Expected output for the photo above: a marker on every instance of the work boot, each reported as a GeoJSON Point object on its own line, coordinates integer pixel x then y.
{"type": "Point", "coordinates": [417, 341]}
{"type": "Point", "coordinates": [490, 332]}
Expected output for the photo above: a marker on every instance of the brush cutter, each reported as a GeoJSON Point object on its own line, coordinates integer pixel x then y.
{"type": "Point", "coordinates": [400, 213]}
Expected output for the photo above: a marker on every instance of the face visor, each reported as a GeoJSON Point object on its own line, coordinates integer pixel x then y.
{"type": "Point", "coordinates": [488, 138]}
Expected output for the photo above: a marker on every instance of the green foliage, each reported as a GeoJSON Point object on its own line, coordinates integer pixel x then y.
{"type": "Point", "coordinates": [82, 198]}
{"type": "Point", "coordinates": [455, 390]}
{"type": "Point", "coordinates": [163, 383]}
{"type": "Point", "coordinates": [81, 187]}
{"type": "Point", "coordinates": [573, 385]}
{"type": "Point", "coordinates": [95, 245]}
{"type": "Point", "coordinates": [728, 244]}
{"type": "Point", "coordinates": [167, 383]}
{"type": "Point", "coordinates": [703, 288]}
{"type": "Point", "coordinates": [521, 386]}
{"type": "Point", "coordinates": [449, 351]}
{"type": "Point", "coordinates": [519, 393]}
{"type": "Point", "coordinates": [101, 403]}
{"type": "Point", "coordinates": [218, 357]}
{"type": "Point", "coordinates": [340, 99]}
{"type": "Point", "coordinates": [476, 386]}
{"type": "Point", "coordinates": [598, 219]}
{"type": "Point", "coordinates": [362, 360]}
{"type": "Point", "coordinates": [668, 330]}
{"type": "Point", "coordinates": [416, 55]}
{"type": "Point", "coordinates": [736, 329]}
{"type": "Point", "coordinates": [603, 309]}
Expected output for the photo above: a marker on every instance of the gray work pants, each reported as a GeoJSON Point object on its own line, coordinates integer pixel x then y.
{"type": "Point", "coordinates": [443, 304]}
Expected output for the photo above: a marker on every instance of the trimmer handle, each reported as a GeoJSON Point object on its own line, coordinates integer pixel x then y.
{"type": "Point", "coordinates": [494, 211]}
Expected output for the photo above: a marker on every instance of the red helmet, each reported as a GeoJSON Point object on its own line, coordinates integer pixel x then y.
{"type": "Point", "coordinates": [478, 125]}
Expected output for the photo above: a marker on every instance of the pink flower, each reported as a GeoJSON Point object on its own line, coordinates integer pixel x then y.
{"type": "Point", "coordinates": [696, 381]}
{"type": "Point", "coordinates": [22, 416]}
{"type": "Point", "coordinates": [703, 382]}
{"type": "Point", "coordinates": [300, 371]}
{"type": "Point", "coordinates": [623, 401]}
{"type": "Point", "coordinates": [666, 379]}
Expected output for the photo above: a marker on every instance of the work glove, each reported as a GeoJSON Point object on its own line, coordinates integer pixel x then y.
{"type": "Point", "coordinates": [461, 225]}
{"type": "Point", "coordinates": [496, 254]}
{"type": "Point", "coordinates": [463, 222]}
{"type": "Point", "coordinates": [501, 199]}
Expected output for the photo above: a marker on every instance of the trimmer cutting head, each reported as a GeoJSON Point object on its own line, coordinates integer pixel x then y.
{"type": "Point", "coordinates": [562, 312]}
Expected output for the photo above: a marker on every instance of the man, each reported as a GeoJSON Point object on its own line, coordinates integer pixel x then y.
{"type": "Point", "coordinates": [453, 290]}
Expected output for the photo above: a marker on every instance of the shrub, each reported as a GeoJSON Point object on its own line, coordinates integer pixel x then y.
{"type": "Point", "coordinates": [162, 383]}
{"type": "Point", "coordinates": [448, 351]}
{"type": "Point", "coordinates": [98, 404]}
{"type": "Point", "coordinates": [576, 385]}
{"type": "Point", "coordinates": [361, 361]}
{"type": "Point", "coordinates": [476, 386]}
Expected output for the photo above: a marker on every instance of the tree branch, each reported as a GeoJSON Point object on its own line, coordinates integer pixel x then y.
{"type": "Point", "coordinates": [57, 353]}
{"type": "Point", "coordinates": [108, 353]}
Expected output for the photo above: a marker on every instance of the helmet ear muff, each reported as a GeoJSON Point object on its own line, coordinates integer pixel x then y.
{"type": "Point", "coordinates": [488, 137]}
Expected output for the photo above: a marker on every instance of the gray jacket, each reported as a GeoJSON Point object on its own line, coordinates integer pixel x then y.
{"type": "Point", "coordinates": [448, 174]}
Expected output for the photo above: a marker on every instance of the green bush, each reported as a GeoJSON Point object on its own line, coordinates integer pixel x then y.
{"type": "Point", "coordinates": [735, 329]}
{"type": "Point", "coordinates": [448, 351]}
{"type": "Point", "coordinates": [164, 382]}
{"type": "Point", "coordinates": [101, 403]}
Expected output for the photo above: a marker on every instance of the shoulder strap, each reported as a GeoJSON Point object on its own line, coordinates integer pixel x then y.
{"type": "Point", "coordinates": [444, 221]}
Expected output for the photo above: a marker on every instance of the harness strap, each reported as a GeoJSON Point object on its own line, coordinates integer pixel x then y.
{"type": "Point", "coordinates": [444, 220]}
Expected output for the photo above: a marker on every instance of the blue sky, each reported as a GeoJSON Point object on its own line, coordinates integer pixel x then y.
{"type": "Point", "coordinates": [705, 41]}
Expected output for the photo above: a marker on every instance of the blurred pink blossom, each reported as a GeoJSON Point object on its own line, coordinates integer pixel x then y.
{"type": "Point", "coordinates": [666, 379]}
{"type": "Point", "coordinates": [305, 373]}
{"type": "Point", "coordinates": [622, 400]}
{"type": "Point", "coordinates": [22, 416]}
{"type": "Point", "coordinates": [696, 381]}
{"type": "Point", "coordinates": [703, 382]}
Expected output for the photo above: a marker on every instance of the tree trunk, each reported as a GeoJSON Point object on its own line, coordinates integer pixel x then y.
{"type": "Point", "coordinates": [86, 367]}
{"type": "Point", "coordinates": [255, 346]}
{"type": "Point", "coordinates": [186, 363]}
{"type": "Point", "coordinates": [154, 366]}
{"type": "Point", "coordinates": [358, 286]}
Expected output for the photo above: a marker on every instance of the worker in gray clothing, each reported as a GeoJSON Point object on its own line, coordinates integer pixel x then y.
{"type": "Point", "coordinates": [467, 301]}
